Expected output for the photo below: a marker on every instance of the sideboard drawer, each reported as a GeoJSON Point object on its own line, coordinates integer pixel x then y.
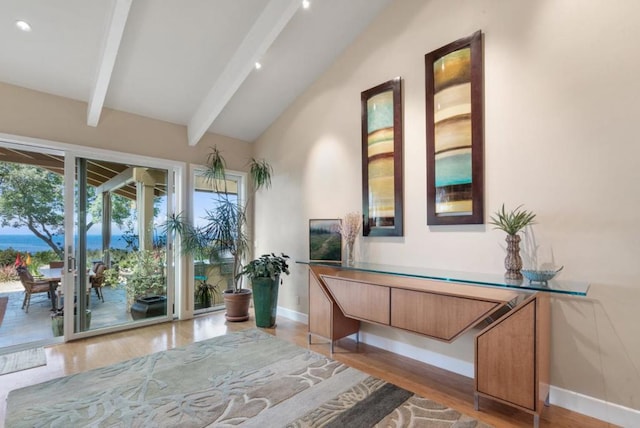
{"type": "Point", "coordinates": [360, 300]}
{"type": "Point", "coordinates": [436, 315]}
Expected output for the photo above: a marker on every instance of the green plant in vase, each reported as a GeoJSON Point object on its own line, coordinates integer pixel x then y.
{"type": "Point", "coordinates": [141, 273]}
{"type": "Point", "coordinates": [512, 222]}
{"type": "Point", "coordinates": [264, 273]}
{"type": "Point", "coordinates": [205, 294]}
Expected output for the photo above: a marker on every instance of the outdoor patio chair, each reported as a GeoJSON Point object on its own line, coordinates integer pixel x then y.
{"type": "Point", "coordinates": [97, 280]}
{"type": "Point", "coordinates": [31, 286]}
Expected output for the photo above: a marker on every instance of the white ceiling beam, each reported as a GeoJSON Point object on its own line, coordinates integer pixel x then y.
{"type": "Point", "coordinates": [262, 34]}
{"type": "Point", "coordinates": [116, 182]}
{"type": "Point", "coordinates": [107, 59]}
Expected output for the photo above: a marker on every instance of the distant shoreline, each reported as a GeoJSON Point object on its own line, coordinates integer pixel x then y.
{"type": "Point", "coordinates": [32, 244]}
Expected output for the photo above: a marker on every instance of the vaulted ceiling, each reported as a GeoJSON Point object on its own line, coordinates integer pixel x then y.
{"type": "Point", "coordinates": [190, 62]}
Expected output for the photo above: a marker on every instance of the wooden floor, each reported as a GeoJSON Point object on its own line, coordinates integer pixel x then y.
{"type": "Point", "coordinates": [444, 387]}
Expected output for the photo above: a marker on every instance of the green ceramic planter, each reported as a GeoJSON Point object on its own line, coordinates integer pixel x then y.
{"type": "Point", "coordinates": [265, 300]}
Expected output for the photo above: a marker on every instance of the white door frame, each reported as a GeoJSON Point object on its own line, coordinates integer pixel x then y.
{"type": "Point", "coordinates": [176, 180]}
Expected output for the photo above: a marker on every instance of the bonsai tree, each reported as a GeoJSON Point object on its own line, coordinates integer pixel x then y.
{"type": "Point", "coordinates": [512, 223]}
{"type": "Point", "coordinates": [224, 232]}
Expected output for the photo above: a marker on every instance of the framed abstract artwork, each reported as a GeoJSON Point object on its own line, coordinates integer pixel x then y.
{"type": "Point", "coordinates": [454, 119]}
{"type": "Point", "coordinates": [382, 181]}
{"type": "Point", "coordinates": [325, 241]}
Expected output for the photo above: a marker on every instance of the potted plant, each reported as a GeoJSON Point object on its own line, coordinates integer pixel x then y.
{"type": "Point", "coordinates": [146, 277]}
{"type": "Point", "coordinates": [57, 320]}
{"type": "Point", "coordinates": [224, 232]}
{"type": "Point", "coordinates": [142, 275]}
{"type": "Point", "coordinates": [205, 294]}
{"type": "Point", "coordinates": [512, 222]}
{"type": "Point", "coordinates": [264, 273]}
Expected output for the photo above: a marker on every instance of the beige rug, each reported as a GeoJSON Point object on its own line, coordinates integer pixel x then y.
{"type": "Point", "coordinates": [248, 378]}
{"type": "Point", "coordinates": [22, 360]}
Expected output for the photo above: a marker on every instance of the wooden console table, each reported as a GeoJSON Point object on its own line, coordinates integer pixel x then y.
{"type": "Point", "coordinates": [511, 352]}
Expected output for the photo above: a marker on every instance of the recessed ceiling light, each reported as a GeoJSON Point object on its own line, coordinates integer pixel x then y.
{"type": "Point", "coordinates": [258, 66]}
{"type": "Point", "coordinates": [306, 4]}
{"type": "Point", "coordinates": [23, 25]}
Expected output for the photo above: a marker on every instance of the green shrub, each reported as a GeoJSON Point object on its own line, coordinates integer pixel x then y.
{"type": "Point", "coordinates": [8, 256]}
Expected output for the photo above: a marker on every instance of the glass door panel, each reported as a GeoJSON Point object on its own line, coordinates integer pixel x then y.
{"type": "Point", "coordinates": [63, 217]}
{"type": "Point", "coordinates": [119, 256]}
{"type": "Point", "coordinates": [31, 243]}
{"type": "Point", "coordinates": [211, 275]}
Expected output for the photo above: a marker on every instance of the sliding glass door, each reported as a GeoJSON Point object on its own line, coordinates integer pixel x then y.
{"type": "Point", "coordinates": [31, 242]}
{"type": "Point", "coordinates": [117, 269]}
{"type": "Point", "coordinates": [82, 250]}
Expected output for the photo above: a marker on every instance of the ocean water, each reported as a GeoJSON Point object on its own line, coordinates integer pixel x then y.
{"type": "Point", "coordinates": [33, 244]}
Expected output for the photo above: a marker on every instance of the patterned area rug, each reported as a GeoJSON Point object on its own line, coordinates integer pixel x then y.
{"type": "Point", "coordinates": [248, 378]}
{"type": "Point", "coordinates": [22, 360]}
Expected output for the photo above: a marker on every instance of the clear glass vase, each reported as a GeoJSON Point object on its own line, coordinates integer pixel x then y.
{"type": "Point", "coordinates": [347, 256]}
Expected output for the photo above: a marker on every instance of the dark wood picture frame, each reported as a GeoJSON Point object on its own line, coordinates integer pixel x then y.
{"type": "Point", "coordinates": [455, 146]}
{"type": "Point", "coordinates": [382, 163]}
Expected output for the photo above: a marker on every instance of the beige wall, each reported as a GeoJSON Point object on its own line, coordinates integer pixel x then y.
{"type": "Point", "coordinates": [561, 106]}
{"type": "Point", "coordinates": [34, 114]}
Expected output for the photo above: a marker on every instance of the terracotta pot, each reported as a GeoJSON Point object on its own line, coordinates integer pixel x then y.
{"type": "Point", "coordinates": [237, 305]}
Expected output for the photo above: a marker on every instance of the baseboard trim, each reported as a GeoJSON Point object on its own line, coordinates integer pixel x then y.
{"type": "Point", "coordinates": [594, 407]}
{"type": "Point", "coordinates": [293, 315]}
{"type": "Point", "coordinates": [451, 364]}
{"type": "Point", "coordinates": [574, 401]}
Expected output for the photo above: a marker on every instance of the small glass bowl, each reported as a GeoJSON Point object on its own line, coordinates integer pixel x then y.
{"type": "Point", "coordinates": [541, 276]}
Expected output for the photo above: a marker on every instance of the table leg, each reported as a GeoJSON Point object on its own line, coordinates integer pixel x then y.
{"type": "Point", "coordinates": [53, 285]}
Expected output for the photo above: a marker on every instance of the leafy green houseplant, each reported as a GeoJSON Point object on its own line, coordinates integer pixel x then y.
{"type": "Point", "coordinates": [264, 273]}
{"type": "Point", "coordinates": [512, 222]}
{"type": "Point", "coordinates": [205, 294]}
{"type": "Point", "coordinates": [267, 266]}
{"type": "Point", "coordinates": [223, 234]}
{"type": "Point", "coordinates": [140, 273]}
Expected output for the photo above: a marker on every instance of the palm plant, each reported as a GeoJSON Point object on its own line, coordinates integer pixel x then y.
{"type": "Point", "coordinates": [224, 232]}
{"type": "Point", "coordinates": [205, 293]}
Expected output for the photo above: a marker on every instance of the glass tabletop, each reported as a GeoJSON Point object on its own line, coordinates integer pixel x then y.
{"type": "Point", "coordinates": [576, 288]}
{"type": "Point", "coordinates": [55, 273]}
